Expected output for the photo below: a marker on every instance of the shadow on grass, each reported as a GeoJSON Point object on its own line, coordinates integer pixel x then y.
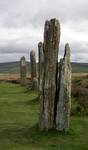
{"type": "Point", "coordinates": [33, 101]}
{"type": "Point", "coordinates": [32, 135]}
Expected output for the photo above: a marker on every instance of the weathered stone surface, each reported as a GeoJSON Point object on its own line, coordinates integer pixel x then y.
{"type": "Point", "coordinates": [41, 72]}
{"type": "Point", "coordinates": [41, 64]}
{"type": "Point", "coordinates": [33, 70]}
{"type": "Point", "coordinates": [23, 70]}
{"type": "Point", "coordinates": [64, 98]}
{"type": "Point", "coordinates": [51, 46]}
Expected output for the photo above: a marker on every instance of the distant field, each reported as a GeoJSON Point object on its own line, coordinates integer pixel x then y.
{"type": "Point", "coordinates": [10, 76]}
{"type": "Point", "coordinates": [14, 68]}
{"type": "Point", "coordinates": [16, 76]}
{"type": "Point", "coordinates": [80, 67]}
{"type": "Point", "coordinates": [19, 115]}
{"type": "Point", "coordinates": [79, 74]}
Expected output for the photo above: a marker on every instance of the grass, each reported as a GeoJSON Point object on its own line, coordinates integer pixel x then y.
{"type": "Point", "coordinates": [19, 109]}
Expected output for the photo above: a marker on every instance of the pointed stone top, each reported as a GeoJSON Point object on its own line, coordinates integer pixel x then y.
{"type": "Point", "coordinates": [67, 50]}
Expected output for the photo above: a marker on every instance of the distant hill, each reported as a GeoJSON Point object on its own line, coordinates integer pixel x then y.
{"type": "Point", "coordinates": [14, 67]}
{"type": "Point", "coordinates": [80, 67]}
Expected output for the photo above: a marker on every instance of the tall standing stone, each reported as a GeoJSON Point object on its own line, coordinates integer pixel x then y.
{"type": "Point", "coordinates": [41, 72]}
{"type": "Point", "coordinates": [23, 70]}
{"type": "Point", "coordinates": [51, 47]}
{"type": "Point", "coordinates": [64, 98]}
{"type": "Point", "coordinates": [41, 64]}
{"type": "Point", "coordinates": [33, 70]}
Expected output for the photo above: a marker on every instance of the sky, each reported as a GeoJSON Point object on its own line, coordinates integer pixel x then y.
{"type": "Point", "coordinates": [22, 27]}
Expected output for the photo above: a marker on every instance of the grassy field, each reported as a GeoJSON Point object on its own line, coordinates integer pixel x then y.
{"type": "Point", "coordinates": [19, 109]}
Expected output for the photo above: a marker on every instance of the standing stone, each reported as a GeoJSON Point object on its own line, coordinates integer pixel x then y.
{"type": "Point", "coordinates": [64, 98]}
{"type": "Point", "coordinates": [51, 47]}
{"type": "Point", "coordinates": [41, 72]}
{"type": "Point", "coordinates": [23, 70]}
{"type": "Point", "coordinates": [41, 64]}
{"type": "Point", "coordinates": [33, 70]}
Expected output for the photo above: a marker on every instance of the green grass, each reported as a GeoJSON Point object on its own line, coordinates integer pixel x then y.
{"type": "Point", "coordinates": [19, 111]}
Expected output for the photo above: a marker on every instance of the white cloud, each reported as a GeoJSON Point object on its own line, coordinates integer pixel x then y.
{"type": "Point", "coordinates": [22, 25]}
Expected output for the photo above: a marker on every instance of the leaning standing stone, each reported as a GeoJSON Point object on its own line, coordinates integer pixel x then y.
{"type": "Point", "coordinates": [64, 99]}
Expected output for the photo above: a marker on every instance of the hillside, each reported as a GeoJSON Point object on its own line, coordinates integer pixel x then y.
{"type": "Point", "coordinates": [13, 67]}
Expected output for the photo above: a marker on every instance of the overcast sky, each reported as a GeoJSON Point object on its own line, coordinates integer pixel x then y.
{"type": "Point", "coordinates": [22, 26]}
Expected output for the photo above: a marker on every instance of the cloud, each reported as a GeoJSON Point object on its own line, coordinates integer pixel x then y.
{"type": "Point", "coordinates": [22, 26]}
